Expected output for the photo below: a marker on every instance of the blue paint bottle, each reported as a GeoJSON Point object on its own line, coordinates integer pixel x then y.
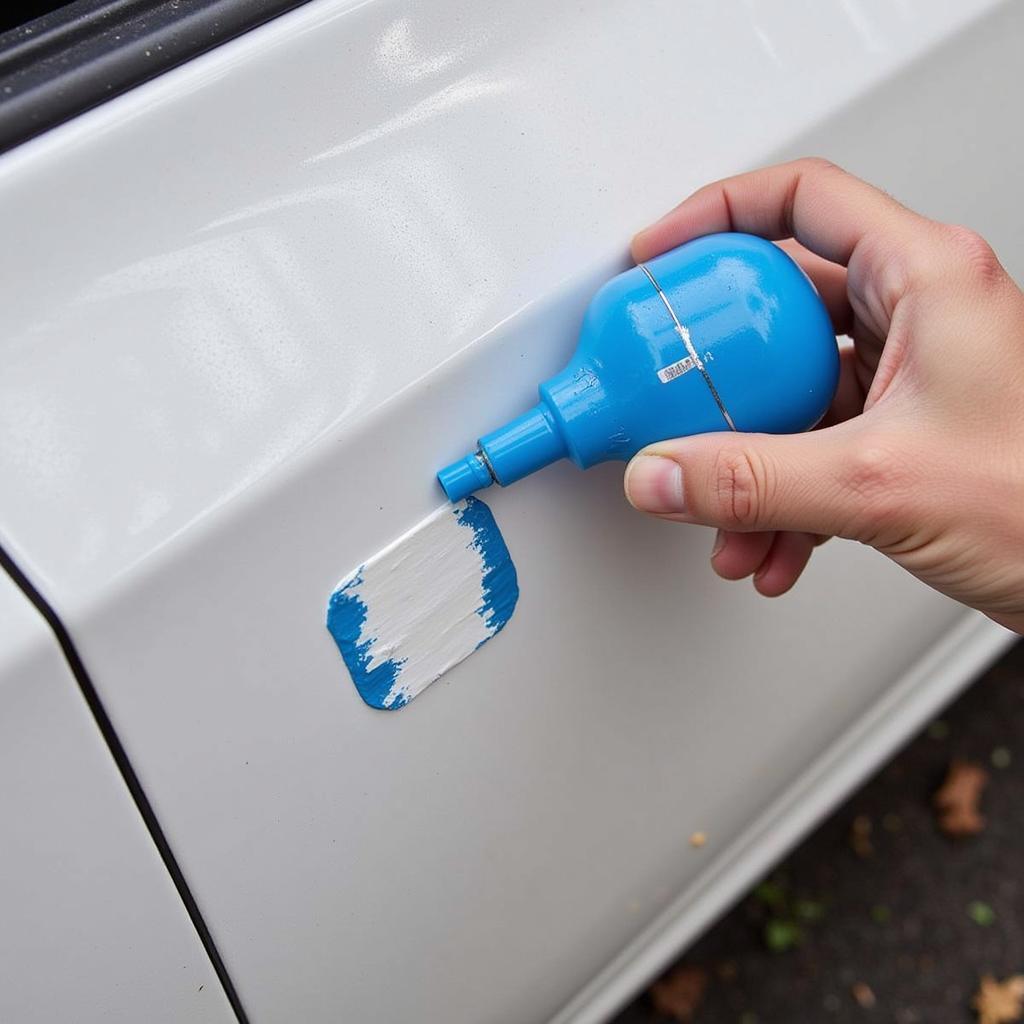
{"type": "Point", "coordinates": [724, 333]}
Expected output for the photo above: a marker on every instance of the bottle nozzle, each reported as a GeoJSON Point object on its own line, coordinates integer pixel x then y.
{"type": "Point", "coordinates": [522, 446]}
{"type": "Point", "coordinates": [464, 476]}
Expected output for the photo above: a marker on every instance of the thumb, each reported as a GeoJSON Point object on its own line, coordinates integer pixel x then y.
{"type": "Point", "coordinates": [827, 482]}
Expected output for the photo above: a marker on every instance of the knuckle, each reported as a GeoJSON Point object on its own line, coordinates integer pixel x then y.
{"type": "Point", "coordinates": [871, 468]}
{"type": "Point", "coordinates": [740, 487]}
{"type": "Point", "coordinates": [973, 255]}
{"type": "Point", "coordinates": [819, 165]}
{"type": "Point", "coordinates": [893, 282]}
{"type": "Point", "coordinates": [875, 479]}
{"type": "Point", "coordinates": [880, 271]}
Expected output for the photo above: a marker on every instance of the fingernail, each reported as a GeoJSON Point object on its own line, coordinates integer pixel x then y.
{"type": "Point", "coordinates": [639, 241]}
{"type": "Point", "coordinates": [637, 237]}
{"type": "Point", "coordinates": [655, 484]}
{"type": "Point", "coordinates": [719, 543]}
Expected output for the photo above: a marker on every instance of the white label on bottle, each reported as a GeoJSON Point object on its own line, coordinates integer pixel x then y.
{"type": "Point", "coordinates": [676, 369]}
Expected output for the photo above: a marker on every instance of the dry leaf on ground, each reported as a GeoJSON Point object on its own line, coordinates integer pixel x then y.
{"type": "Point", "coordinates": [863, 995]}
{"type": "Point", "coordinates": [860, 836]}
{"type": "Point", "coordinates": [679, 993]}
{"type": "Point", "coordinates": [999, 1002]}
{"type": "Point", "coordinates": [958, 798]}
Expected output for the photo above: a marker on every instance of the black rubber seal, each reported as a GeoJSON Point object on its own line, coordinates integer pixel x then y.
{"type": "Point", "coordinates": [73, 58]}
{"type": "Point", "coordinates": [120, 757]}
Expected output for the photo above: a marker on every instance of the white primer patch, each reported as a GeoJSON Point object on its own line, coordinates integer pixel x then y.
{"type": "Point", "coordinates": [424, 603]}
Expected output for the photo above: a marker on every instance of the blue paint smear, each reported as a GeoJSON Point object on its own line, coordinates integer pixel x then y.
{"type": "Point", "coordinates": [346, 611]}
{"type": "Point", "coordinates": [500, 584]}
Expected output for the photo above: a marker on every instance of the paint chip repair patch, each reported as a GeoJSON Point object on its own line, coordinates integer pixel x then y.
{"type": "Point", "coordinates": [423, 603]}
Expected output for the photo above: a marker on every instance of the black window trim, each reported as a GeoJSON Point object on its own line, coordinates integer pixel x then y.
{"type": "Point", "coordinates": [77, 56]}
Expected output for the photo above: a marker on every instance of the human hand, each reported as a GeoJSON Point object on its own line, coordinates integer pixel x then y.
{"type": "Point", "coordinates": [922, 453]}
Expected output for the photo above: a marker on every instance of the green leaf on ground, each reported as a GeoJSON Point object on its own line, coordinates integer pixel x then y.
{"type": "Point", "coordinates": [781, 935]}
{"type": "Point", "coordinates": [981, 913]}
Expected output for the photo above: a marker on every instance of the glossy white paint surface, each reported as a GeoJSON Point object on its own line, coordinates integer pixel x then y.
{"type": "Point", "coordinates": [248, 256]}
{"type": "Point", "coordinates": [286, 283]}
{"type": "Point", "coordinates": [91, 928]}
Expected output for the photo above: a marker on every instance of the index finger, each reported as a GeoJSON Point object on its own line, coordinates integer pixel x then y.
{"type": "Point", "coordinates": [825, 208]}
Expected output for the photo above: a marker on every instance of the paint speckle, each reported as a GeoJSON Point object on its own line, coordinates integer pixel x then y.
{"type": "Point", "coordinates": [423, 603]}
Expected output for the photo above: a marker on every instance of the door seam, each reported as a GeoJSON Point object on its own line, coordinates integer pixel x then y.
{"type": "Point", "coordinates": [131, 780]}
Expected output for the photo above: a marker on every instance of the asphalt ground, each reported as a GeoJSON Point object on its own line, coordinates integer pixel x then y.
{"type": "Point", "coordinates": [879, 915]}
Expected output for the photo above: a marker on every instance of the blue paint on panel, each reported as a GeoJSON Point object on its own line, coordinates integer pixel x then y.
{"type": "Point", "coordinates": [347, 612]}
{"type": "Point", "coordinates": [500, 583]}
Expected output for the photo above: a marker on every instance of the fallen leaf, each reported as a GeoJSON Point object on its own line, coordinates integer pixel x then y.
{"type": "Point", "coordinates": [781, 935]}
{"type": "Point", "coordinates": [698, 839]}
{"type": "Point", "coordinates": [957, 799]}
{"type": "Point", "coordinates": [981, 913]}
{"type": "Point", "coordinates": [679, 993]}
{"type": "Point", "coordinates": [999, 1002]}
{"type": "Point", "coordinates": [863, 995]}
{"type": "Point", "coordinates": [860, 836]}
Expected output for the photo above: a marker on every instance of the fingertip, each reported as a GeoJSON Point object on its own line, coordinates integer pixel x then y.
{"type": "Point", "coordinates": [738, 555]}
{"type": "Point", "coordinates": [784, 563]}
{"type": "Point", "coordinates": [769, 583]}
{"type": "Point", "coordinates": [665, 233]}
{"type": "Point", "coordinates": [640, 248]}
